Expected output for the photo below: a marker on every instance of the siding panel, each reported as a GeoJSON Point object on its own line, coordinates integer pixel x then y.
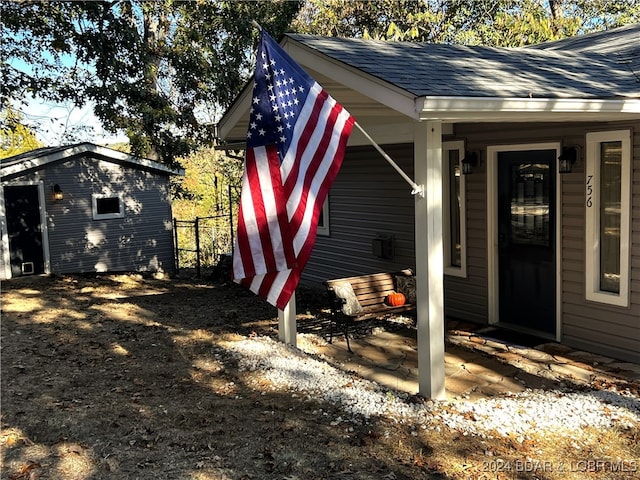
{"type": "Point", "coordinates": [369, 199]}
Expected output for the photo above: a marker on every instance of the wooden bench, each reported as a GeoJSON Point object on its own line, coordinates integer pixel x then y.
{"type": "Point", "coordinates": [371, 292]}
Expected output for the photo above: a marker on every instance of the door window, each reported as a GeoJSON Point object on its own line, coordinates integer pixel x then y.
{"type": "Point", "coordinates": [530, 214]}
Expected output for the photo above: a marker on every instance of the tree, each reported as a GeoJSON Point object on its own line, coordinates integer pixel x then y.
{"type": "Point", "coordinates": [208, 175]}
{"type": "Point", "coordinates": [15, 136]}
{"type": "Point", "coordinates": [159, 70]}
{"type": "Point", "coordinates": [211, 190]}
{"type": "Point", "coordinates": [510, 23]}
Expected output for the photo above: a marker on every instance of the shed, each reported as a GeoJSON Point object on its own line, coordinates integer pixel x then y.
{"type": "Point", "coordinates": [541, 236]}
{"type": "Point", "coordinates": [84, 208]}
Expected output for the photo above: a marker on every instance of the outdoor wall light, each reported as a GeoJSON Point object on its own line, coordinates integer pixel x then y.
{"type": "Point", "coordinates": [566, 159]}
{"type": "Point", "coordinates": [57, 192]}
{"type": "Point", "coordinates": [469, 162]}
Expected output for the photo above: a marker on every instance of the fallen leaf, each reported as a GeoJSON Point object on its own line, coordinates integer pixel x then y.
{"type": "Point", "coordinates": [25, 471]}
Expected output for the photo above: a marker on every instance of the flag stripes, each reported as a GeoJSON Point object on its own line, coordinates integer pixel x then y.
{"type": "Point", "coordinates": [296, 141]}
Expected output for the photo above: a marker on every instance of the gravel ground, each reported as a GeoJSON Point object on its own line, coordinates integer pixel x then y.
{"type": "Point", "coordinates": [531, 412]}
{"type": "Point", "coordinates": [122, 377]}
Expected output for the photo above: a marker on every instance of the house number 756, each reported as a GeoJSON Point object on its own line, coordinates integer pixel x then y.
{"type": "Point", "coordinates": [589, 191]}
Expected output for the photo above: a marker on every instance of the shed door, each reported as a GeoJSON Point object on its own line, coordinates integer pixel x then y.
{"type": "Point", "coordinates": [526, 239]}
{"type": "Point", "coordinates": [24, 229]}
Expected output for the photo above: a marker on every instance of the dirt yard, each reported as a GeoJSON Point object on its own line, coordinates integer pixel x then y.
{"type": "Point", "coordinates": [125, 377]}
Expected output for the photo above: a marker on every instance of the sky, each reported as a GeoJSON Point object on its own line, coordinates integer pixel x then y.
{"type": "Point", "coordinates": [50, 120]}
{"type": "Point", "coordinates": [53, 119]}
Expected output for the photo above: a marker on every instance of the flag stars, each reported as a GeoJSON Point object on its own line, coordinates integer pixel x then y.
{"type": "Point", "coordinates": [274, 112]}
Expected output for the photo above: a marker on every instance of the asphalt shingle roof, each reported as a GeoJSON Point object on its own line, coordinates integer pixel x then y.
{"type": "Point", "coordinates": [425, 69]}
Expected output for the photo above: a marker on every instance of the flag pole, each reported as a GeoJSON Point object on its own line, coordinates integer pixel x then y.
{"type": "Point", "coordinates": [416, 189]}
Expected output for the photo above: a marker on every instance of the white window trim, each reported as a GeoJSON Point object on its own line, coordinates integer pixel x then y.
{"type": "Point", "coordinates": [592, 208]}
{"type": "Point", "coordinates": [106, 216]}
{"type": "Point", "coordinates": [450, 269]}
{"type": "Point", "coordinates": [324, 229]}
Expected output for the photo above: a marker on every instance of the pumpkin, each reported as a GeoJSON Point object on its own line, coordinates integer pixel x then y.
{"type": "Point", "coordinates": [396, 299]}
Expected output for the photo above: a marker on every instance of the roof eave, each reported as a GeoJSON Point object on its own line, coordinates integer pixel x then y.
{"type": "Point", "coordinates": [236, 113]}
{"type": "Point", "coordinates": [495, 109]}
{"type": "Point", "coordinates": [342, 74]}
{"type": "Point", "coordinates": [74, 150]}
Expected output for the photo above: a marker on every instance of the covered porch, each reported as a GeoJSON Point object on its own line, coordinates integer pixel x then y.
{"type": "Point", "coordinates": [480, 362]}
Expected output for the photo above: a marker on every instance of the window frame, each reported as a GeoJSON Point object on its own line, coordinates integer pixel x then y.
{"type": "Point", "coordinates": [592, 217]}
{"type": "Point", "coordinates": [324, 229]}
{"type": "Point", "coordinates": [449, 268]}
{"type": "Point", "coordinates": [106, 216]}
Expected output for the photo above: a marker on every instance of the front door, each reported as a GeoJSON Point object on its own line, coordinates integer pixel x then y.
{"type": "Point", "coordinates": [527, 239]}
{"type": "Point", "coordinates": [22, 207]}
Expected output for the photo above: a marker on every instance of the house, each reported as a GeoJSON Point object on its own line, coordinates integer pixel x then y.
{"type": "Point", "coordinates": [530, 160]}
{"type": "Point", "coordinates": [84, 208]}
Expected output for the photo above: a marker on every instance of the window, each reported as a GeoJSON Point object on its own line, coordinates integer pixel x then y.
{"type": "Point", "coordinates": [107, 206]}
{"type": "Point", "coordinates": [323, 221]}
{"type": "Point", "coordinates": [454, 230]}
{"type": "Point", "coordinates": [608, 213]}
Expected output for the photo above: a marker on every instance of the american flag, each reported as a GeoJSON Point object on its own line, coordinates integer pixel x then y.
{"type": "Point", "coordinates": [296, 141]}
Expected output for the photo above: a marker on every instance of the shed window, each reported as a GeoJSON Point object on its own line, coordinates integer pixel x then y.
{"type": "Point", "coordinates": [453, 189]}
{"type": "Point", "coordinates": [608, 211]}
{"type": "Point", "coordinates": [107, 206]}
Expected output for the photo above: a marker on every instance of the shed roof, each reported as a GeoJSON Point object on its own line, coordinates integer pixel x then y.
{"type": "Point", "coordinates": [40, 157]}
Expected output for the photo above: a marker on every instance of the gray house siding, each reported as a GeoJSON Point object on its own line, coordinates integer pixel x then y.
{"type": "Point", "coordinates": [466, 298]}
{"type": "Point", "coordinates": [368, 198]}
{"type": "Point", "coordinates": [141, 240]}
{"type": "Point", "coordinates": [596, 327]}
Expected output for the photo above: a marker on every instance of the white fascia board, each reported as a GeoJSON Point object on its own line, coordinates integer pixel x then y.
{"type": "Point", "coordinates": [382, 92]}
{"type": "Point", "coordinates": [237, 113]}
{"type": "Point", "coordinates": [525, 109]}
{"type": "Point", "coordinates": [115, 155]}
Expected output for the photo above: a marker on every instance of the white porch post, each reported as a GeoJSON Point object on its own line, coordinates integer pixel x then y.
{"type": "Point", "coordinates": [287, 332]}
{"type": "Point", "coordinates": [429, 260]}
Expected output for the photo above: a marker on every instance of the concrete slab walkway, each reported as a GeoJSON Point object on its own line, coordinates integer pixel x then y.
{"type": "Point", "coordinates": [477, 365]}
